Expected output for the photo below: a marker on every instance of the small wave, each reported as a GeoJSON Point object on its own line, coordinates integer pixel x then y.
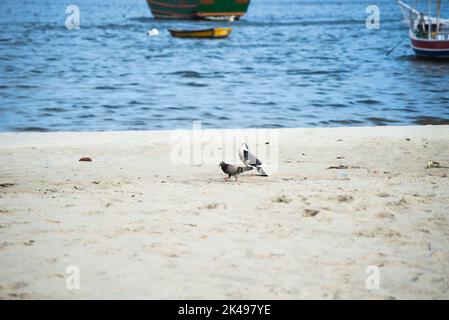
{"type": "Point", "coordinates": [105, 88]}
{"type": "Point", "coordinates": [182, 119]}
{"type": "Point", "coordinates": [380, 121]}
{"type": "Point", "coordinates": [53, 109]}
{"type": "Point", "coordinates": [267, 125]}
{"type": "Point", "coordinates": [195, 84]}
{"type": "Point", "coordinates": [141, 19]}
{"type": "Point", "coordinates": [134, 102]}
{"type": "Point", "coordinates": [36, 26]}
{"type": "Point", "coordinates": [345, 122]}
{"type": "Point", "coordinates": [442, 90]}
{"type": "Point", "coordinates": [86, 116]}
{"type": "Point", "coordinates": [400, 109]}
{"type": "Point", "coordinates": [409, 110]}
{"type": "Point", "coordinates": [314, 72]}
{"type": "Point", "coordinates": [407, 57]}
{"type": "Point", "coordinates": [369, 101]}
{"type": "Point", "coordinates": [338, 105]}
{"type": "Point", "coordinates": [25, 86]}
{"type": "Point", "coordinates": [112, 26]}
{"type": "Point", "coordinates": [186, 74]}
{"type": "Point", "coordinates": [31, 129]}
{"type": "Point", "coordinates": [258, 103]}
{"type": "Point", "coordinates": [431, 121]}
{"type": "Point", "coordinates": [109, 106]}
{"type": "Point", "coordinates": [300, 22]}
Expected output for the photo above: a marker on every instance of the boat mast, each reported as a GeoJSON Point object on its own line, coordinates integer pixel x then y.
{"type": "Point", "coordinates": [438, 15]}
{"type": "Point", "coordinates": [429, 24]}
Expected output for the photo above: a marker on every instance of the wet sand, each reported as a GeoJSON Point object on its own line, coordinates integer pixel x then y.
{"type": "Point", "coordinates": [140, 226]}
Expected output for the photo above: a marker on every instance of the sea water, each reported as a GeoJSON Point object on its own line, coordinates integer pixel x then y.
{"type": "Point", "coordinates": [287, 63]}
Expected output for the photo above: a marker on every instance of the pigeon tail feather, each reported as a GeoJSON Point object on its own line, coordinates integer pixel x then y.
{"type": "Point", "coordinates": [262, 172]}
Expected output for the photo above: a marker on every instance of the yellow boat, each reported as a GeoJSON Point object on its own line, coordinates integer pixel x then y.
{"type": "Point", "coordinates": [214, 33]}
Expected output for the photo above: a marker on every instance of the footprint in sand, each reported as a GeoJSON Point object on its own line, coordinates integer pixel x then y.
{"type": "Point", "coordinates": [281, 199]}
{"type": "Point", "coordinates": [310, 212]}
{"type": "Point", "coordinates": [212, 206]}
{"type": "Point", "coordinates": [6, 212]}
{"type": "Point", "coordinates": [344, 198]}
{"type": "Point", "coordinates": [400, 203]}
{"type": "Point", "coordinates": [385, 215]}
{"type": "Point", "coordinates": [14, 285]}
{"type": "Point", "coordinates": [29, 243]}
{"type": "Point", "coordinates": [169, 250]}
{"type": "Point", "coordinates": [383, 195]}
{"type": "Point", "coordinates": [4, 244]}
{"type": "Point", "coordinates": [379, 233]}
{"type": "Point", "coordinates": [7, 185]}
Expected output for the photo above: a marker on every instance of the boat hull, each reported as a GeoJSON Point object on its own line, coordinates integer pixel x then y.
{"type": "Point", "coordinates": [432, 53]}
{"type": "Point", "coordinates": [214, 33]}
{"type": "Point", "coordinates": [198, 9]}
{"type": "Point", "coordinates": [169, 9]}
{"type": "Point", "coordinates": [430, 48]}
{"type": "Point", "coordinates": [222, 8]}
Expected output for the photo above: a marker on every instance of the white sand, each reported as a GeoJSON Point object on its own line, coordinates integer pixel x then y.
{"type": "Point", "coordinates": [140, 226]}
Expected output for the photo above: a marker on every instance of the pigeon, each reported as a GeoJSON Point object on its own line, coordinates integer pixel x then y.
{"type": "Point", "coordinates": [251, 160]}
{"type": "Point", "coordinates": [232, 170]}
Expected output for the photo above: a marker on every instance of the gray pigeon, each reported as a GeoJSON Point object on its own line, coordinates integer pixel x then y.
{"type": "Point", "coordinates": [232, 170]}
{"type": "Point", "coordinates": [250, 160]}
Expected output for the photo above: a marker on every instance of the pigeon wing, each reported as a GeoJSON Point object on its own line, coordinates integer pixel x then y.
{"type": "Point", "coordinates": [235, 170]}
{"type": "Point", "coordinates": [252, 159]}
{"type": "Point", "coordinates": [247, 157]}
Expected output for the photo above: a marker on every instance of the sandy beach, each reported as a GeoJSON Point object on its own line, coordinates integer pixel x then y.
{"type": "Point", "coordinates": [138, 225]}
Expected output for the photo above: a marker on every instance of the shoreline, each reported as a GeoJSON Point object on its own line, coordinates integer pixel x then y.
{"type": "Point", "coordinates": [139, 225]}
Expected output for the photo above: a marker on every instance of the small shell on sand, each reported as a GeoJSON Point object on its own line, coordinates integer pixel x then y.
{"type": "Point", "coordinates": [87, 159]}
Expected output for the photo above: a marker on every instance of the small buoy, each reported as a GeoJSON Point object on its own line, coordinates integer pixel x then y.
{"type": "Point", "coordinates": [86, 159]}
{"type": "Point", "coordinates": [153, 32]}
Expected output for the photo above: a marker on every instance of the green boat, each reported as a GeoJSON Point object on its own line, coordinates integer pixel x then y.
{"type": "Point", "coordinates": [198, 9]}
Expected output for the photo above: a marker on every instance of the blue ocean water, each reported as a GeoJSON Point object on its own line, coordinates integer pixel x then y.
{"type": "Point", "coordinates": [288, 63]}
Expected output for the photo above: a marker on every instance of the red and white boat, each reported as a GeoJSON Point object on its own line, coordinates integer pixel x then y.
{"type": "Point", "coordinates": [429, 35]}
